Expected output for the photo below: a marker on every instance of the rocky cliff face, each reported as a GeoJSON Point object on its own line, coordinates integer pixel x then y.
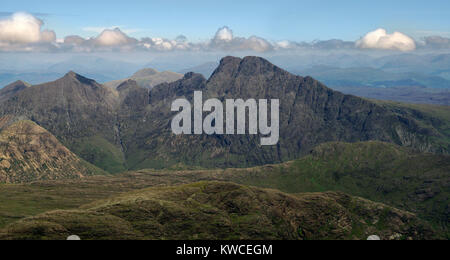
{"type": "Point", "coordinates": [29, 153]}
{"type": "Point", "coordinates": [310, 114]}
{"type": "Point", "coordinates": [129, 128]}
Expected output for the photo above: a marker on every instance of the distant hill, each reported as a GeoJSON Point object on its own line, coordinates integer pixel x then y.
{"type": "Point", "coordinates": [370, 77]}
{"type": "Point", "coordinates": [30, 153]}
{"type": "Point", "coordinates": [217, 210]}
{"type": "Point", "coordinates": [148, 78]}
{"type": "Point", "coordinates": [417, 95]}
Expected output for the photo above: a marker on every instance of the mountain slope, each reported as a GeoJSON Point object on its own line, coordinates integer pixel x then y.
{"type": "Point", "coordinates": [129, 128]}
{"type": "Point", "coordinates": [381, 172]}
{"type": "Point", "coordinates": [310, 114]}
{"type": "Point", "coordinates": [30, 153]}
{"type": "Point", "coordinates": [12, 89]}
{"type": "Point", "coordinates": [213, 210]}
{"type": "Point", "coordinates": [147, 78]}
{"type": "Point", "coordinates": [78, 111]}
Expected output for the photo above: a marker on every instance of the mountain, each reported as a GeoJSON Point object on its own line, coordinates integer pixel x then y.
{"type": "Point", "coordinates": [79, 112]}
{"type": "Point", "coordinates": [129, 128]}
{"type": "Point", "coordinates": [218, 210]}
{"type": "Point", "coordinates": [148, 78]}
{"type": "Point", "coordinates": [30, 153]}
{"type": "Point", "coordinates": [310, 114]}
{"type": "Point", "coordinates": [12, 89]}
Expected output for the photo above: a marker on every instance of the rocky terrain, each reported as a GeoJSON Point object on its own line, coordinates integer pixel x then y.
{"type": "Point", "coordinates": [30, 153]}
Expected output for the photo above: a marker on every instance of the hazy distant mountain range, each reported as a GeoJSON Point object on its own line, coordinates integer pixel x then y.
{"type": "Point", "coordinates": [409, 77]}
{"type": "Point", "coordinates": [148, 78]}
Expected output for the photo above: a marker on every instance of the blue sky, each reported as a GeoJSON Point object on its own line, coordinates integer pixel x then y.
{"type": "Point", "coordinates": [273, 20]}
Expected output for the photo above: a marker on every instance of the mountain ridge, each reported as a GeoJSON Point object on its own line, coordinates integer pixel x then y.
{"type": "Point", "coordinates": [129, 128]}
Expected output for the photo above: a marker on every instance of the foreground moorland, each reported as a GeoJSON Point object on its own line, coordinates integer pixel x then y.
{"type": "Point", "coordinates": [381, 172]}
{"type": "Point", "coordinates": [219, 210]}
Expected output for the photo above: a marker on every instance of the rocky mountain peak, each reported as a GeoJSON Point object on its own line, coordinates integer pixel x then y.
{"type": "Point", "coordinates": [73, 76]}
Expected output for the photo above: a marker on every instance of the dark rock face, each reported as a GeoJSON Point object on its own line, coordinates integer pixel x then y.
{"type": "Point", "coordinates": [131, 126]}
{"type": "Point", "coordinates": [310, 114]}
{"type": "Point", "coordinates": [70, 107]}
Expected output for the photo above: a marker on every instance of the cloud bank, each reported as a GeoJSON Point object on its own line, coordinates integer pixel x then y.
{"type": "Point", "coordinates": [380, 39]}
{"type": "Point", "coordinates": [22, 29]}
{"type": "Point", "coordinates": [24, 32]}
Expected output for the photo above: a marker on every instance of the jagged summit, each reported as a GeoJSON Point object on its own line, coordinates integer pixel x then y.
{"type": "Point", "coordinates": [71, 75]}
{"type": "Point", "coordinates": [250, 66]}
{"type": "Point", "coordinates": [17, 84]}
{"type": "Point", "coordinates": [20, 82]}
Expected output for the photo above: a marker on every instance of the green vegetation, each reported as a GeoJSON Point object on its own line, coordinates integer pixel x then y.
{"type": "Point", "coordinates": [101, 153]}
{"type": "Point", "coordinates": [218, 210]}
{"type": "Point", "coordinates": [381, 172]}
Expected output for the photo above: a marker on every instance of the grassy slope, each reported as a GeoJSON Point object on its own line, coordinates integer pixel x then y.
{"type": "Point", "coordinates": [377, 171]}
{"type": "Point", "coordinates": [218, 210]}
{"type": "Point", "coordinates": [100, 153]}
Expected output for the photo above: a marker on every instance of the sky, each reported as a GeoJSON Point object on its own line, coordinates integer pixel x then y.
{"type": "Point", "coordinates": [280, 21]}
{"type": "Point", "coordinates": [294, 20]}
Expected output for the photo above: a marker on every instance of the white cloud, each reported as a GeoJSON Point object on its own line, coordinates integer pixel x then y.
{"type": "Point", "coordinates": [74, 40]}
{"type": "Point", "coordinates": [284, 44]}
{"type": "Point", "coordinates": [113, 38]}
{"type": "Point", "coordinates": [224, 39]}
{"type": "Point", "coordinates": [24, 32]}
{"type": "Point", "coordinates": [224, 34]}
{"type": "Point", "coordinates": [257, 44]}
{"type": "Point", "coordinates": [380, 39]}
{"type": "Point", "coordinates": [23, 28]}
